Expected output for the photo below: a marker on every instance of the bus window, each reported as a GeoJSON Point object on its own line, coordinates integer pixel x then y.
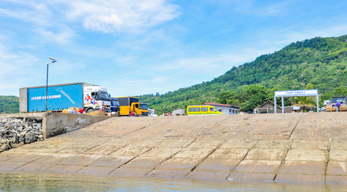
{"type": "Point", "coordinates": [194, 109]}
{"type": "Point", "coordinates": [212, 109]}
{"type": "Point", "coordinates": [204, 108]}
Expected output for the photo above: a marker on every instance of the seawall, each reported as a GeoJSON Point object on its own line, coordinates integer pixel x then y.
{"type": "Point", "coordinates": [308, 148]}
{"type": "Point", "coordinates": [54, 124]}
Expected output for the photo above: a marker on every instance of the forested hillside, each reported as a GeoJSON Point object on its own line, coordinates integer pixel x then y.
{"type": "Point", "coordinates": [9, 104]}
{"type": "Point", "coordinates": [319, 63]}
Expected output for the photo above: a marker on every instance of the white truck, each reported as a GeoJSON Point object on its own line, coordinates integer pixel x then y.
{"type": "Point", "coordinates": [96, 97]}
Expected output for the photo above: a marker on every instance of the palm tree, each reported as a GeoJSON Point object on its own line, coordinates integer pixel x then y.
{"type": "Point", "coordinates": [305, 102]}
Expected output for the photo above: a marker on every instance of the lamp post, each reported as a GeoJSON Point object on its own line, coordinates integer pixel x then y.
{"type": "Point", "coordinates": [52, 61]}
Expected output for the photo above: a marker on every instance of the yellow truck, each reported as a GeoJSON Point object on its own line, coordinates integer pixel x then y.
{"type": "Point", "coordinates": [128, 104]}
{"type": "Point", "coordinates": [202, 110]}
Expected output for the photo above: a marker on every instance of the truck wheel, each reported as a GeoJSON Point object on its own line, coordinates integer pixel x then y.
{"type": "Point", "coordinates": [89, 110]}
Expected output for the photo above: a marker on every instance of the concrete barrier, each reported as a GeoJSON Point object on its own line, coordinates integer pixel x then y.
{"type": "Point", "coordinates": [58, 123]}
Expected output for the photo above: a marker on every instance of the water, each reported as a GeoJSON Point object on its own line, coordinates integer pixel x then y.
{"type": "Point", "coordinates": [76, 183]}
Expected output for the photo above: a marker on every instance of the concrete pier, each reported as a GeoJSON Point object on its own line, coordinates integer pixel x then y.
{"type": "Point", "coordinates": [300, 148]}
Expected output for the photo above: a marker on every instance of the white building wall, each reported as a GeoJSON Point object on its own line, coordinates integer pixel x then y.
{"type": "Point", "coordinates": [234, 110]}
{"type": "Point", "coordinates": [227, 110]}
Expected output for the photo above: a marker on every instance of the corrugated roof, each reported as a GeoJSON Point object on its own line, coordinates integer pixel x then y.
{"type": "Point", "coordinates": [218, 104]}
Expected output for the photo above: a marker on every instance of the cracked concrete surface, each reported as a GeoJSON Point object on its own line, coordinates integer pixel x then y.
{"type": "Point", "coordinates": [304, 148]}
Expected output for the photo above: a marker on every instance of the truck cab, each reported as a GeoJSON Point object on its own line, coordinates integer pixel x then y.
{"type": "Point", "coordinates": [95, 98]}
{"type": "Point", "coordinates": [114, 105]}
{"type": "Point", "coordinates": [140, 109]}
{"type": "Point", "coordinates": [128, 104]}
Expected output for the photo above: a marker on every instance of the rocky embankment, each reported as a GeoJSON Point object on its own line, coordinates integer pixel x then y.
{"type": "Point", "coordinates": [15, 132]}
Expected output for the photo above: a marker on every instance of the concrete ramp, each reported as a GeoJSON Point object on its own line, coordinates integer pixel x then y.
{"type": "Point", "coordinates": [323, 126]}
{"type": "Point", "coordinates": [302, 148]}
{"type": "Point", "coordinates": [242, 126]}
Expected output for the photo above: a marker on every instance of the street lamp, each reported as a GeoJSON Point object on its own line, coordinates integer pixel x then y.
{"type": "Point", "coordinates": [53, 61]}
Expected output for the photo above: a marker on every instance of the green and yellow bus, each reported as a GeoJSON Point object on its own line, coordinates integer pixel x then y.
{"type": "Point", "coordinates": [202, 110]}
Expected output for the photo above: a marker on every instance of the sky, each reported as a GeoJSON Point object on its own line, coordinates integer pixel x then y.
{"type": "Point", "coordinates": [136, 47]}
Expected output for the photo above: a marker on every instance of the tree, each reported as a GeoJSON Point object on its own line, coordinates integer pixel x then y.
{"type": "Point", "coordinates": [318, 63]}
{"type": "Point", "coordinates": [256, 95]}
{"type": "Point", "coordinates": [226, 97]}
{"type": "Point", "coordinates": [309, 86]}
{"type": "Point", "coordinates": [340, 91]}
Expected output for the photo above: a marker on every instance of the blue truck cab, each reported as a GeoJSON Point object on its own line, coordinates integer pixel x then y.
{"type": "Point", "coordinates": [114, 105]}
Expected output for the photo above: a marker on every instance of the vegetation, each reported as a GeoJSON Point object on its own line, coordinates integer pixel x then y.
{"type": "Point", "coordinates": [9, 104]}
{"type": "Point", "coordinates": [319, 63]}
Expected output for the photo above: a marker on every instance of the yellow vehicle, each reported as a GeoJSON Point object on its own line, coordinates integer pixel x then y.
{"type": "Point", "coordinates": [202, 110]}
{"type": "Point", "coordinates": [330, 107]}
{"type": "Point", "coordinates": [128, 104]}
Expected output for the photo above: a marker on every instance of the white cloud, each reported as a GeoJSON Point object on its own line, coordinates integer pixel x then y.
{"type": "Point", "coordinates": [105, 23]}
{"type": "Point", "coordinates": [274, 9]}
{"type": "Point", "coordinates": [108, 16]}
{"type": "Point", "coordinates": [64, 35]}
{"type": "Point", "coordinates": [17, 70]}
{"type": "Point", "coordinates": [28, 11]}
{"type": "Point", "coordinates": [111, 16]}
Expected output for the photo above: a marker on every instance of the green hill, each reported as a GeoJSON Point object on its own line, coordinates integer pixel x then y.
{"type": "Point", "coordinates": [318, 63]}
{"type": "Point", "coordinates": [9, 104]}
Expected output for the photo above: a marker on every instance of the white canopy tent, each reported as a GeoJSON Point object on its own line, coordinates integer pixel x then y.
{"type": "Point", "coordinates": [295, 93]}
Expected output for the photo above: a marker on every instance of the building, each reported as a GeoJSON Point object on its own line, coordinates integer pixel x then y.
{"type": "Point", "coordinates": [269, 106]}
{"type": "Point", "coordinates": [226, 109]}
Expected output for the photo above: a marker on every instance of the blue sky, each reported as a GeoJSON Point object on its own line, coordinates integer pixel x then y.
{"type": "Point", "coordinates": [135, 47]}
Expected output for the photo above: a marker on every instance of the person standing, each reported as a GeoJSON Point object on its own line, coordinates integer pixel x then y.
{"type": "Point", "coordinates": [337, 106]}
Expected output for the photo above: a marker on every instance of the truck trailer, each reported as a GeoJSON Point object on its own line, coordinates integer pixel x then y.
{"type": "Point", "coordinates": [87, 96]}
{"type": "Point", "coordinates": [128, 104]}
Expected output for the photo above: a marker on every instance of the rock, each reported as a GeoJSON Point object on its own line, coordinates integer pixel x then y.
{"type": "Point", "coordinates": [40, 137]}
{"type": "Point", "coordinates": [3, 148]}
{"type": "Point", "coordinates": [16, 131]}
{"type": "Point", "coordinates": [37, 125]}
{"type": "Point", "coordinates": [29, 137]}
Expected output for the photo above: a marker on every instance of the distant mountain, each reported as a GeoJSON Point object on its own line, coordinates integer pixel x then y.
{"type": "Point", "coordinates": [9, 104]}
{"type": "Point", "coordinates": [319, 63]}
